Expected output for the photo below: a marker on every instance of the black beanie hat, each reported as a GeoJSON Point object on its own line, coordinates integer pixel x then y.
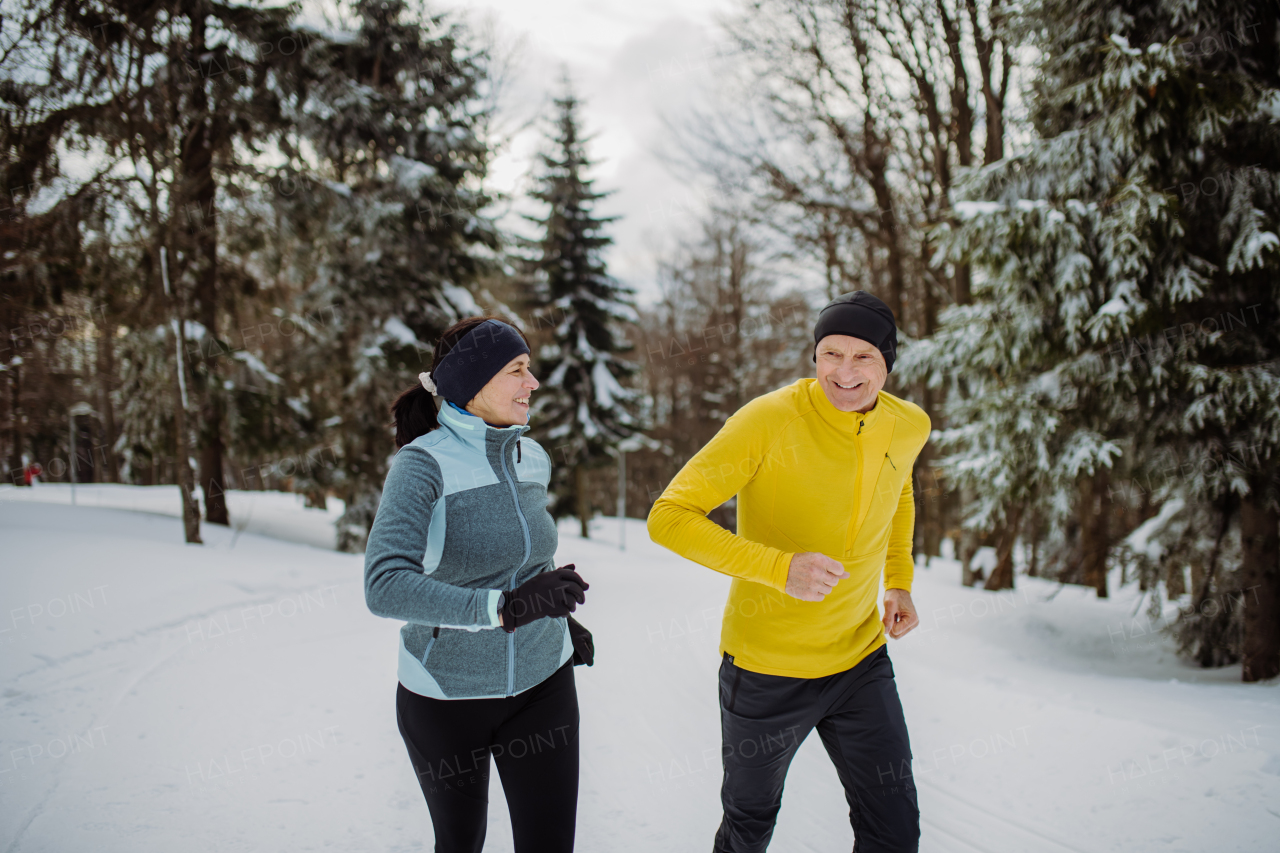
{"type": "Point", "coordinates": [859, 315]}
{"type": "Point", "coordinates": [475, 359]}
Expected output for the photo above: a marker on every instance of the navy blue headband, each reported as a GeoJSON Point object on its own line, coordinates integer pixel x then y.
{"type": "Point", "coordinates": [475, 359]}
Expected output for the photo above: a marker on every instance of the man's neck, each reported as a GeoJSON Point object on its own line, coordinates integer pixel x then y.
{"type": "Point", "coordinates": [851, 411]}
{"type": "Point", "coordinates": [869, 408]}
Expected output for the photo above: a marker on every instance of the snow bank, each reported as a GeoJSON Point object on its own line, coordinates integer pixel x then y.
{"type": "Point", "coordinates": [280, 515]}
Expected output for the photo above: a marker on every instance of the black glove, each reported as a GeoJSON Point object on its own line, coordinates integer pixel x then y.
{"type": "Point", "coordinates": [584, 651]}
{"type": "Point", "coordinates": [549, 594]}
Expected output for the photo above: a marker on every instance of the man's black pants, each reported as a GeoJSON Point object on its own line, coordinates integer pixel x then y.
{"type": "Point", "coordinates": [533, 738]}
{"type": "Point", "coordinates": [765, 718]}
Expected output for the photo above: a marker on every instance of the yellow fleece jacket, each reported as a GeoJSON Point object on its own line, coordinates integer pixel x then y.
{"type": "Point", "coordinates": [808, 477]}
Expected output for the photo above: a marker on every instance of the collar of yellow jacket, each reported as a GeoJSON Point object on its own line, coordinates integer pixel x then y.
{"type": "Point", "coordinates": [843, 421]}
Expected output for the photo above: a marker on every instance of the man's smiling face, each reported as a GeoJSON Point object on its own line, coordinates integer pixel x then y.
{"type": "Point", "coordinates": [851, 372]}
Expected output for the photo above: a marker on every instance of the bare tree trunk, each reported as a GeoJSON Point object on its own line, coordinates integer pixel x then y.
{"type": "Point", "coordinates": [928, 506]}
{"type": "Point", "coordinates": [1094, 531]}
{"type": "Point", "coordinates": [186, 484]}
{"type": "Point", "coordinates": [963, 285]}
{"type": "Point", "coordinates": [962, 125]}
{"type": "Point", "coordinates": [212, 481]}
{"type": "Point", "coordinates": [931, 511]}
{"type": "Point", "coordinates": [993, 99]}
{"type": "Point", "coordinates": [1033, 536]}
{"type": "Point", "coordinates": [892, 235]}
{"type": "Point", "coordinates": [970, 542]}
{"type": "Point", "coordinates": [85, 469]}
{"type": "Point", "coordinates": [584, 504]}
{"type": "Point", "coordinates": [1006, 538]}
{"type": "Point", "coordinates": [201, 206]}
{"type": "Point", "coordinates": [106, 374]}
{"type": "Point", "coordinates": [15, 422]}
{"type": "Point", "coordinates": [1260, 577]}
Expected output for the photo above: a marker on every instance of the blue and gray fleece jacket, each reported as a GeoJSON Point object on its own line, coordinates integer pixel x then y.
{"type": "Point", "coordinates": [464, 516]}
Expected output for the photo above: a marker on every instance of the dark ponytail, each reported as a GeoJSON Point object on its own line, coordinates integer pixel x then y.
{"type": "Point", "coordinates": [414, 411]}
{"type": "Point", "coordinates": [415, 414]}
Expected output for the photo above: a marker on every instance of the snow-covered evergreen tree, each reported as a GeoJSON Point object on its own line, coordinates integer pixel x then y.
{"type": "Point", "coordinates": [390, 224]}
{"type": "Point", "coordinates": [168, 105]}
{"type": "Point", "coordinates": [1126, 324]}
{"type": "Point", "coordinates": [585, 406]}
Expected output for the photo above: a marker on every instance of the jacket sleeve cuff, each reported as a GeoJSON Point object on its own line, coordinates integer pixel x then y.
{"type": "Point", "coordinates": [781, 570]}
{"type": "Point", "coordinates": [898, 580]}
{"type": "Point", "coordinates": [494, 596]}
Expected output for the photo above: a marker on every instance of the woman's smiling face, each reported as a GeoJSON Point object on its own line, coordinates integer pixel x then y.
{"type": "Point", "coordinates": [504, 400]}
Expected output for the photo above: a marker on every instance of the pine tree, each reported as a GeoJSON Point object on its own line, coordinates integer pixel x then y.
{"type": "Point", "coordinates": [1126, 323]}
{"type": "Point", "coordinates": [584, 409]}
{"type": "Point", "coordinates": [173, 101]}
{"type": "Point", "coordinates": [390, 225]}
{"type": "Point", "coordinates": [329, 185]}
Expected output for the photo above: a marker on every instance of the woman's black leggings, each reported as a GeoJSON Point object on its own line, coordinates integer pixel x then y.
{"type": "Point", "coordinates": [533, 737]}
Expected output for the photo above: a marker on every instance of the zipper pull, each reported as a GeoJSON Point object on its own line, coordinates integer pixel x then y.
{"type": "Point", "coordinates": [517, 450]}
{"type": "Point", "coordinates": [895, 467]}
{"type": "Point", "coordinates": [859, 432]}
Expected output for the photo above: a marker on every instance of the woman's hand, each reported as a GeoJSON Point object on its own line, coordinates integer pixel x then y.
{"type": "Point", "coordinates": [584, 648]}
{"type": "Point", "coordinates": [549, 594]}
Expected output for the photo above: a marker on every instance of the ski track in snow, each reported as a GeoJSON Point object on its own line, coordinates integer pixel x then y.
{"type": "Point", "coordinates": [148, 632]}
{"type": "Point", "coordinates": [179, 707]}
{"type": "Point", "coordinates": [976, 813]}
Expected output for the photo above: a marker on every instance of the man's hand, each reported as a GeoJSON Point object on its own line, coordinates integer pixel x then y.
{"type": "Point", "coordinates": [899, 613]}
{"type": "Point", "coordinates": [812, 576]}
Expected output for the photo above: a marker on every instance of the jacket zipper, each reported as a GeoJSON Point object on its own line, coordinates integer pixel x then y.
{"type": "Point", "coordinates": [857, 487]}
{"type": "Point", "coordinates": [528, 546]}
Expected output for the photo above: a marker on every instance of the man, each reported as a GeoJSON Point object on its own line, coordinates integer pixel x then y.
{"type": "Point", "coordinates": [822, 472]}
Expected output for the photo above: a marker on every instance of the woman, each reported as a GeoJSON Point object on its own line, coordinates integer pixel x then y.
{"type": "Point", "coordinates": [462, 549]}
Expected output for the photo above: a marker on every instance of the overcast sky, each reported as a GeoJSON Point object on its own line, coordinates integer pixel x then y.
{"type": "Point", "coordinates": [630, 63]}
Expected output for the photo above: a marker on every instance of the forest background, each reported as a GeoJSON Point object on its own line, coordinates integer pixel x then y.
{"type": "Point", "coordinates": [230, 237]}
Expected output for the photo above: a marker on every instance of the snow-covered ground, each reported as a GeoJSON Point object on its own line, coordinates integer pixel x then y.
{"type": "Point", "coordinates": [239, 696]}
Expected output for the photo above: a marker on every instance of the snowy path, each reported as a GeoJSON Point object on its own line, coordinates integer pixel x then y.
{"type": "Point", "coordinates": [239, 696]}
